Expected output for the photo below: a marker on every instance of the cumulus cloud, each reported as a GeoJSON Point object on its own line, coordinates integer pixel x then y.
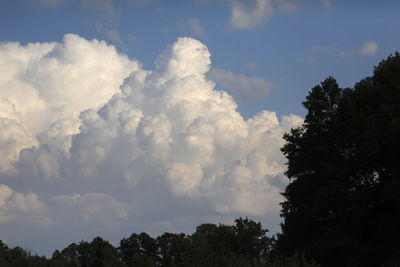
{"type": "Point", "coordinates": [95, 145]}
{"type": "Point", "coordinates": [242, 87]}
{"type": "Point", "coordinates": [46, 86]}
{"type": "Point", "coordinates": [13, 138]}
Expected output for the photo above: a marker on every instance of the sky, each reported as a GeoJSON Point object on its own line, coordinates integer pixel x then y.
{"type": "Point", "coordinates": [156, 116]}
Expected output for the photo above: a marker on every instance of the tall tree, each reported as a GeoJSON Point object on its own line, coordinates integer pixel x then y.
{"type": "Point", "coordinates": [341, 203]}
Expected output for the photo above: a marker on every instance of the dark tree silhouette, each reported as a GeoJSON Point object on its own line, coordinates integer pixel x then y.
{"type": "Point", "coordinates": [174, 249]}
{"type": "Point", "coordinates": [342, 206]}
{"type": "Point", "coordinates": [138, 250]}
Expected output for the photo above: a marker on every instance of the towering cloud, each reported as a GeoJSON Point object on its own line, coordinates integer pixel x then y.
{"type": "Point", "coordinates": [99, 146]}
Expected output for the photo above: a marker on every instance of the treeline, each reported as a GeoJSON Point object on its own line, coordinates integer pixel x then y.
{"type": "Point", "coordinates": [243, 244]}
{"type": "Point", "coordinates": [341, 208]}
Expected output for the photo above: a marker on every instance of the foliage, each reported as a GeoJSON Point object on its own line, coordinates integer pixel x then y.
{"type": "Point", "coordinates": [243, 244]}
{"type": "Point", "coordinates": [342, 206]}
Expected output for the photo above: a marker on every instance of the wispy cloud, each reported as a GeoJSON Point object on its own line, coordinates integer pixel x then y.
{"type": "Point", "coordinates": [307, 58]}
{"type": "Point", "coordinates": [242, 87]}
{"type": "Point", "coordinates": [249, 14]}
{"type": "Point", "coordinates": [251, 65]}
{"type": "Point", "coordinates": [192, 26]}
{"type": "Point", "coordinates": [327, 3]}
{"type": "Point", "coordinates": [253, 13]}
{"type": "Point", "coordinates": [105, 5]}
{"type": "Point", "coordinates": [367, 49]}
{"type": "Point", "coordinates": [287, 5]}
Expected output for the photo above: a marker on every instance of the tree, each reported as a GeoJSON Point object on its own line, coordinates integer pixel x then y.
{"type": "Point", "coordinates": [18, 257]}
{"type": "Point", "coordinates": [99, 253]}
{"type": "Point", "coordinates": [202, 249]}
{"type": "Point", "coordinates": [102, 254]}
{"type": "Point", "coordinates": [251, 241]}
{"type": "Point", "coordinates": [3, 254]}
{"type": "Point", "coordinates": [310, 153]}
{"type": "Point", "coordinates": [138, 250]}
{"type": "Point", "coordinates": [174, 249]}
{"type": "Point", "coordinates": [243, 244]}
{"type": "Point", "coordinates": [342, 206]}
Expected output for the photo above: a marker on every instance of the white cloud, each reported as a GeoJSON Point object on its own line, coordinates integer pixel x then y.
{"type": "Point", "coordinates": [289, 120]}
{"type": "Point", "coordinates": [243, 87]}
{"type": "Point", "coordinates": [251, 14]}
{"type": "Point", "coordinates": [48, 85]}
{"type": "Point", "coordinates": [369, 49]}
{"type": "Point", "coordinates": [13, 138]}
{"type": "Point", "coordinates": [247, 16]}
{"type": "Point", "coordinates": [118, 149]}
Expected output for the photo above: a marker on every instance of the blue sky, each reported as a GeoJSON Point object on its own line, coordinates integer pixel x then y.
{"type": "Point", "coordinates": [111, 123]}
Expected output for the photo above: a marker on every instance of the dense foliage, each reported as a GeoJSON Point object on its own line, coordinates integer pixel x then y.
{"type": "Point", "coordinates": [342, 205]}
{"type": "Point", "coordinates": [243, 244]}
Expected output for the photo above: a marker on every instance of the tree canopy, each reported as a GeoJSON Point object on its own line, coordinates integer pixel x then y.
{"type": "Point", "coordinates": [342, 206]}
{"type": "Point", "coordinates": [243, 244]}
